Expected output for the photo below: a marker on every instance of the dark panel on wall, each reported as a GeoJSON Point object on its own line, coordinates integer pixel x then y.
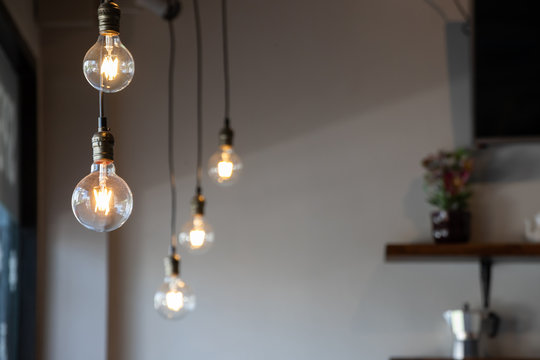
{"type": "Point", "coordinates": [506, 43]}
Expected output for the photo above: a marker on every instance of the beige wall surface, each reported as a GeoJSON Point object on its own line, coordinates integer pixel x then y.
{"type": "Point", "coordinates": [74, 258]}
{"type": "Point", "coordinates": [334, 104]}
{"type": "Point", "coordinates": [72, 276]}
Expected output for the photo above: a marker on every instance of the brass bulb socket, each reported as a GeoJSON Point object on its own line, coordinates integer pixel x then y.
{"type": "Point", "coordinates": [226, 135]}
{"type": "Point", "coordinates": [197, 205]}
{"type": "Point", "coordinates": [172, 265]}
{"type": "Point", "coordinates": [103, 145]}
{"type": "Point", "coordinates": [109, 18]}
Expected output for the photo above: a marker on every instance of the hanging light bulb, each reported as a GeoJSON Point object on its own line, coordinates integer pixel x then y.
{"type": "Point", "coordinates": [197, 235]}
{"type": "Point", "coordinates": [174, 297]}
{"type": "Point", "coordinates": [224, 166]}
{"type": "Point", "coordinates": [102, 201]}
{"type": "Point", "coordinates": [108, 65]}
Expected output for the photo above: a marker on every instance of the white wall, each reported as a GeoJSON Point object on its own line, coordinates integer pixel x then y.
{"type": "Point", "coordinates": [334, 104]}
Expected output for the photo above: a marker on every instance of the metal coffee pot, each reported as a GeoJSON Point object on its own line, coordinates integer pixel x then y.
{"type": "Point", "coordinates": [468, 327]}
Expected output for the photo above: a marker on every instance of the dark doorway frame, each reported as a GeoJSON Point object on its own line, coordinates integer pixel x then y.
{"type": "Point", "coordinates": [22, 60]}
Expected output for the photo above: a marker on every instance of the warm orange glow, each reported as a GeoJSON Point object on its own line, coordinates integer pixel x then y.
{"type": "Point", "coordinates": [174, 300]}
{"type": "Point", "coordinates": [225, 169]}
{"type": "Point", "coordinates": [197, 235]}
{"type": "Point", "coordinates": [102, 196]}
{"type": "Point", "coordinates": [109, 67]}
{"type": "Point", "coordinates": [196, 238]}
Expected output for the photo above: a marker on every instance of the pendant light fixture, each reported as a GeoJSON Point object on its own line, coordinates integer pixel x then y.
{"type": "Point", "coordinates": [102, 201]}
{"type": "Point", "coordinates": [108, 65]}
{"type": "Point", "coordinates": [197, 235]}
{"type": "Point", "coordinates": [224, 166]}
{"type": "Point", "coordinates": [174, 298]}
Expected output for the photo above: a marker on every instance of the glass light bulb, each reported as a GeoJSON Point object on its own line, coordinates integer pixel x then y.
{"type": "Point", "coordinates": [224, 166]}
{"type": "Point", "coordinates": [174, 298]}
{"type": "Point", "coordinates": [102, 201]}
{"type": "Point", "coordinates": [197, 235]}
{"type": "Point", "coordinates": [108, 65]}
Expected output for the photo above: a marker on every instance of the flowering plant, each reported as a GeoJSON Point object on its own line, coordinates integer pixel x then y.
{"type": "Point", "coordinates": [446, 179]}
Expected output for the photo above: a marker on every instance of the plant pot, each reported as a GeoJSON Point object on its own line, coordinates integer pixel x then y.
{"type": "Point", "coordinates": [451, 226]}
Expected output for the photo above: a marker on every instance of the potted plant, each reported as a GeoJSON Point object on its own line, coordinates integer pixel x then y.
{"type": "Point", "coordinates": [447, 186]}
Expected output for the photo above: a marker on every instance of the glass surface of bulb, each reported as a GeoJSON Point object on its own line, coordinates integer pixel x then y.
{"type": "Point", "coordinates": [224, 166]}
{"type": "Point", "coordinates": [102, 201]}
{"type": "Point", "coordinates": [174, 298]}
{"type": "Point", "coordinates": [197, 235]}
{"type": "Point", "coordinates": [108, 65]}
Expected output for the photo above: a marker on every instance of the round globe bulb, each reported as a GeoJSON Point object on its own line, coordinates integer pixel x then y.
{"type": "Point", "coordinates": [197, 235]}
{"type": "Point", "coordinates": [174, 298]}
{"type": "Point", "coordinates": [102, 201]}
{"type": "Point", "coordinates": [224, 166]}
{"type": "Point", "coordinates": [108, 65]}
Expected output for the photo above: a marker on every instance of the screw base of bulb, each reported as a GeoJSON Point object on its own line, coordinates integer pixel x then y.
{"type": "Point", "coordinates": [172, 265]}
{"type": "Point", "coordinates": [103, 142]}
{"type": "Point", "coordinates": [109, 18]}
{"type": "Point", "coordinates": [197, 205]}
{"type": "Point", "coordinates": [226, 134]}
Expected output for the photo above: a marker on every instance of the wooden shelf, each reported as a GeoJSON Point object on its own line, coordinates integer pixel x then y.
{"type": "Point", "coordinates": [463, 252]}
{"type": "Point", "coordinates": [484, 253]}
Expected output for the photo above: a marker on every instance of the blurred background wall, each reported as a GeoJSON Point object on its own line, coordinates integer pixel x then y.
{"type": "Point", "coordinates": [334, 105]}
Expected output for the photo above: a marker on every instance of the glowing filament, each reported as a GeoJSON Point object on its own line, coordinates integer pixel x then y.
{"type": "Point", "coordinates": [174, 300]}
{"type": "Point", "coordinates": [103, 197]}
{"type": "Point", "coordinates": [196, 238]}
{"type": "Point", "coordinates": [225, 169]}
{"type": "Point", "coordinates": [109, 67]}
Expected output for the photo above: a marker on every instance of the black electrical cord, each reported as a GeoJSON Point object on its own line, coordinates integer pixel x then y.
{"type": "Point", "coordinates": [199, 93]}
{"type": "Point", "coordinates": [102, 120]}
{"type": "Point", "coordinates": [172, 177]}
{"type": "Point", "coordinates": [101, 104]}
{"type": "Point", "coordinates": [227, 79]}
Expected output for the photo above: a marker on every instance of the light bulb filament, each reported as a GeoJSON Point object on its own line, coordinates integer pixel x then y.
{"type": "Point", "coordinates": [109, 67]}
{"type": "Point", "coordinates": [103, 197]}
{"type": "Point", "coordinates": [197, 237]}
{"type": "Point", "coordinates": [174, 300]}
{"type": "Point", "coordinates": [225, 169]}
